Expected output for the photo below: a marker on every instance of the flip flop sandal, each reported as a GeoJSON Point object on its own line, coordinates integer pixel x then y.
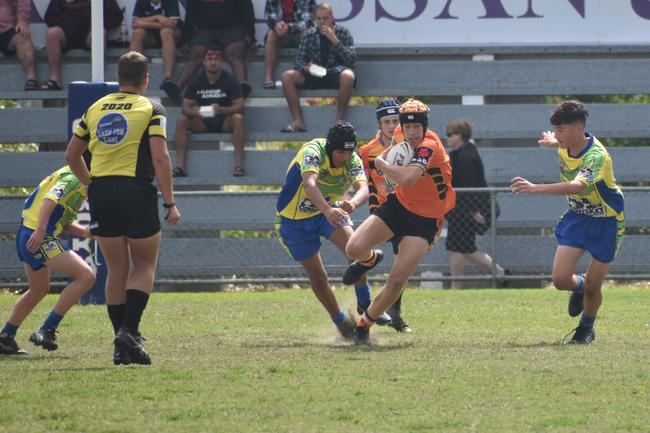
{"type": "Point", "coordinates": [51, 85]}
{"type": "Point", "coordinates": [292, 127]}
{"type": "Point", "coordinates": [31, 84]}
{"type": "Point", "coordinates": [238, 172]}
{"type": "Point", "coordinates": [179, 172]}
{"type": "Point", "coordinates": [269, 85]}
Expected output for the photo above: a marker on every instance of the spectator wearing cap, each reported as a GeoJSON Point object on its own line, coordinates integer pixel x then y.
{"type": "Point", "coordinates": [378, 189]}
{"type": "Point", "coordinates": [213, 102]}
{"type": "Point", "coordinates": [325, 60]}
{"type": "Point", "coordinates": [15, 36]}
{"type": "Point", "coordinates": [288, 20]}
{"type": "Point", "coordinates": [156, 24]}
{"type": "Point", "coordinates": [228, 24]}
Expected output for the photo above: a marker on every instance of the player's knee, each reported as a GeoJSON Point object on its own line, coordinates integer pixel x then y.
{"type": "Point", "coordinates": [353, 249]}
{"type": "Point", "coordinates": [87, 278]}
{"type": "Point", "coordinates": [563, 282]}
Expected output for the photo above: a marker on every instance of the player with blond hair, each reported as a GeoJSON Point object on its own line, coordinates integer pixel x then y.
{"type": "Point", "coordinates": [411, 217]}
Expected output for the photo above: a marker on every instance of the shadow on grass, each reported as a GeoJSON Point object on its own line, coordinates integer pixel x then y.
{"type": "Point", "coordinates": [539, 344]}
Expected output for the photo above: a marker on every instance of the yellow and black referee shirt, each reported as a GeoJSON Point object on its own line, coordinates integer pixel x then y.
{"type": "Point", "coordinates": [117, 128]}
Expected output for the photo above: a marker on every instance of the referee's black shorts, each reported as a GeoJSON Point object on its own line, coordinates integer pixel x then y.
{"type": "Point", "coordinates": [123, 206]}
{"type": "Point", "coordinates": [403, 222]}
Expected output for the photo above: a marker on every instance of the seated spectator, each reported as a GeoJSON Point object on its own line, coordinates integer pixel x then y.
{"type": "Point", "coordinates": [156, 25]}
{"type": "Point", "coordinates": [213, 102]}
{"type": "Point", "coordinates": [471, 216]}
{"type": "Point", "coordinates": [15, 36]}
{"type": "Point", "coordinates": [287, 20]}
{"type": "Point", "coordinates": [326, 46]}
{"type": "Point", "coordinates": [230, 24]}
{"type": "Point", "coordinates": [69, 27]}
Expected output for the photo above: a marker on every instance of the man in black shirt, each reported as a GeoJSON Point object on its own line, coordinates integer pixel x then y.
{"type": "Point", "coordinates": [213, 102]}
{"type": "Point", "coordinates": [230, 24]}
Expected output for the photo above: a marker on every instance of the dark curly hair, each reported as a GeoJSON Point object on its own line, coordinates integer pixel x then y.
{"type": "Point", "coordinates": [568, 112]}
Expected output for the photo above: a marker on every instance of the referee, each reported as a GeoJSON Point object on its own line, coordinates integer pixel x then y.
{"type": "Point", "coordinates": [125, 133]}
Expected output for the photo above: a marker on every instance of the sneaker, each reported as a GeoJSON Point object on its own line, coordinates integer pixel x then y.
{"type": "Point", "coordinates": [399, 324]}
{"type": "Point", "coordinates": [346, 327]}
{"type": "Point", "coordinates": [583, 335]}
{"type": "Point", "coordinates": [357, 269]}
{"type": "Point", "coordinates": [361, 335]}
{"type": "Point", "coordinates": [129, 349]}
{"type": "Point", "coordinates": [172, 90]}
{"type": "Point", "coordinates": [8, 346]}
{"type": "Point", "coordinates": [382, 320]}
{"type": "Point", "coordinates": [46, 338]}
{"type": "Point", "coordinates": [576, 301]}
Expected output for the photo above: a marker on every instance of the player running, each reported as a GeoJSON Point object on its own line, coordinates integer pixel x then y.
{"type": "Point", "coordinates": [310, 206]}
{"type": "Point", "coordinates": [594, 221]}
{"type": "Point", "coordinates": [50, 210]}
{"type": "Point", "coordinates": [411, 217]}
{"type": "Point", "coordinates": [388, 119]}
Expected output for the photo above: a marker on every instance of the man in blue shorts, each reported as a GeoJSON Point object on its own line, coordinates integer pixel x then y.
{"type": "Point", "coordinates": [49, 210]}
{"type": "Point", "coordinates": [310, 205]}
{"type": "Point", "coordinates": [594, 222]}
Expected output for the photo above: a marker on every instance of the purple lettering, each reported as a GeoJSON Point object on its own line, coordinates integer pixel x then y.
{"type": "Point", "coordinates": [380, 12]}
{"type": "Point", "coordinates": [642, 8]}
{"type": "Point", "coordinates": [493, 9]}
{"type": "Point", "coordinates": [357, 5]}
{"type": "Point", "coordinates": [530, 13]}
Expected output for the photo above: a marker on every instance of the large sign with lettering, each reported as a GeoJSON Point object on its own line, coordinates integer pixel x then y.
{"type": "Point", "coordinates": [469, 22]}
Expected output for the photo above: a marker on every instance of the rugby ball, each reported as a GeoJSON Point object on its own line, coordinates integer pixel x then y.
{"type": "Point", "coordinates": [400, 154]}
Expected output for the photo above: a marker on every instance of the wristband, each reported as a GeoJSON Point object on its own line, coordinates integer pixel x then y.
{"type": "Point", "coordinates": [169, 205]}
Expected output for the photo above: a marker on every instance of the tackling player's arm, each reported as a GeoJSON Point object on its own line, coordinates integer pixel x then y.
{"type": "Point", "coordinates": [548, 140]}
{"type": "Point", "coordinates": [77, 230]}
{"type": "Point", "coordinates": [44, 214]}
{"type": "Point", "coordinates": [519, 185]}
{"type": "Point", "coordinates": [358, 199]}
{"type": "Point", "coordinates": [335, 216]}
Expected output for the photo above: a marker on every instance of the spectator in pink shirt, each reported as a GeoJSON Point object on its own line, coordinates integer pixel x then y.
{"type": "Point", "coordinates": [15, 36]}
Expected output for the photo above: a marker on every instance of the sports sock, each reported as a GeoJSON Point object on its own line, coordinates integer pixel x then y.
{"type": "Point", "coordinates": [363, 295]}
{"type": "Point", "coordinates": [339, 317]}
{"type": "Point", "coordinates": [365, 321]}
{"type": "Point", "coordinates": [9, 330]}
{"type": "Point", "coordinates": [396, 308]}
{"type": "Point", "coordinates": [586, 321]}
{"type": "Point", "coordinates": [580, 288]}
{"type": "Point", "coordinates": [52, 321]}
{"type": "Point", "coordinates": [136, 302]}
{"type": "Point", "coordinates": [116, 314]}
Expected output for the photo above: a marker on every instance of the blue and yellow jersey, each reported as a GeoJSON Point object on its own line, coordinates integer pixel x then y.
{"type": "Point", "coordinates": [601, 196]}
{"type": "Point", "coordinates": [293, 203]}
{"type": "Point", "coordinates": [117, 128]}
{"type": "Point", "coordinates": [63, 188]}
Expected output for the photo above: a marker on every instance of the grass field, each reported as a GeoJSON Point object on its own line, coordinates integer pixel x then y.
{"type": "Point", "coordinates": [478, 361]}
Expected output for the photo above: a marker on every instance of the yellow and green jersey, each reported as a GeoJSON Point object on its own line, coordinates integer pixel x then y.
{"type": "Point", "coordinates": [117, 128]}
{"type": "Point", "coordinates": [333, 182]}
{"type": "Point", "coordinates": [601, 197]}
{"type": "Point", "coordinates": [64, 189]}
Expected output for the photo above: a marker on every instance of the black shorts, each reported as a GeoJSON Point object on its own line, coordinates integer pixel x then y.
{"type": "Point", "coordinates": [330, 81]}
{"type": "Point", "coordinates": [123, 206]}
{"type": "Point", "coordinates": [461, 237]}
{"type": "Point", "coordinates": [214, 124]}
{"type": "Point", "coordinates": [5, 40]}
{"type": "Point", "coordinates": [221, 37]}
{"type": "Point", "coordinates": [76, 36]}
{"type": "Point", "coordinates": [403, 222]}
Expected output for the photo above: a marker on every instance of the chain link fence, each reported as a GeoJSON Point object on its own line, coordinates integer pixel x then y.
{"type": "Point", "coordinates": [227, 238]}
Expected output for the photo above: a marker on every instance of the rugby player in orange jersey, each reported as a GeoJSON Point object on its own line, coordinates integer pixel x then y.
{"type": "Point", "coordinates": [388, 119]}
{"type": "Point", "coordinates": [411, 217]}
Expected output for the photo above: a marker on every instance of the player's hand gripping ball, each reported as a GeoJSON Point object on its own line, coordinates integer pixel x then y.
{"type": "Point", "coordinates": [400, 154]}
